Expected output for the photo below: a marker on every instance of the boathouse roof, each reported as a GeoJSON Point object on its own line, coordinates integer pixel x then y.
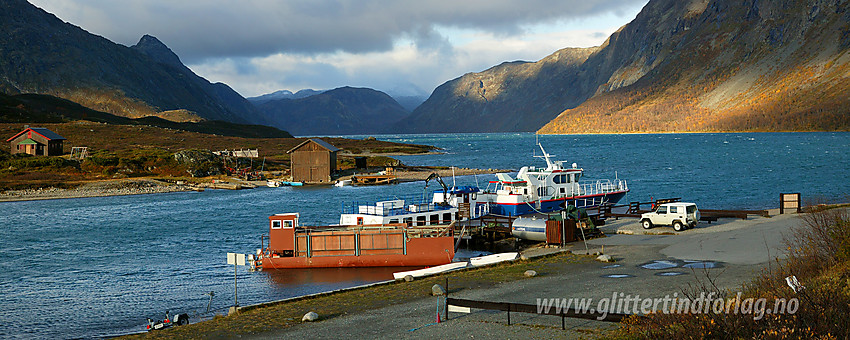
{"type": "Point", "coordinates": [318, 141]}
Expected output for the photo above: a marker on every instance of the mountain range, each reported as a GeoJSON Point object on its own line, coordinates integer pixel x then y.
{"type": "Point", "coordinates": [341, 111]}
{"type": "Point", "coordinates": [680, 65]}
{"type": "Point", "coordinates": [39, 53]}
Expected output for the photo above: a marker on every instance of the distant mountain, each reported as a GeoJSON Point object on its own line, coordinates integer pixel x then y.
{"type": "Point", "coordinates": [38, 108]}
{"type": "Point", "coordinates": [284, 94]}
{"type": "Point", "coordinates": [41, 54]}
{"type": "Point", "coordinates": [514, 96]}
{"type": "Point", "coordinates": [341, 111]}
{"type": "Point", "coordinates": [408, 95]}
{"type": "Point", "coordinates": [680, 65]}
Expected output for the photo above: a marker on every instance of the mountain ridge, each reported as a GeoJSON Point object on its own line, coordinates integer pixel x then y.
{"type": "Point", "coordinates": [40, 53]}
{"type": "Point", "coordinates": [344, 110]}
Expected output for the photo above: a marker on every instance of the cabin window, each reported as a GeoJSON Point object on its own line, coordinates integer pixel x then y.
{"type": "Point", "coordinates": [578, 176]}
{"type": "Point", "coordinates": [563, 190]}
{"type": "Point", "coordinates": [288, 224]}
{"type": "Point", "coordinates": [394, 221]}
{"type": "Point", "coordinates": [420, 220]}
{"type": "Point", "coordinates": [408, 220]}
{"type": "Point", "coordinates": [435, 219]}
{"type": "Point", "coordinates": [275, 224]}
{"type": "Point", "coordinates": [359, 221]}
{"type": "Point", "coordinates": [447, 217]}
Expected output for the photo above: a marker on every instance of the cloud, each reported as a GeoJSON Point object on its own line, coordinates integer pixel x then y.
{"type": "Point", "coordinates": [203, 29]}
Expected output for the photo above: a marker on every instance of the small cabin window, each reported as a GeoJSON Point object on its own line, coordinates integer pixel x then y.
{"type": "Point", "coordinates": [435, 219]}
{"type": "Point", "coordinates": [394, 221]}
{"type": "Point", "coordinates": [275, 224]}
{"type": "Point", "coordinates": [447, 217]}
{"type": "Point", "coordinates": [359, 221]}
{"type": "Point", "coordinates": [408, 220]}
{"type": "Point", "coordinates": [287, 224]}
{"type": "Point", "coordinates": [420, 220]}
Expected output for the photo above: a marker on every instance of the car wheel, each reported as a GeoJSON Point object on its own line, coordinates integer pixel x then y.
{"type": "Point", "coordinates": [646, 224]}
{"type": "Point", "coordinates": [678, 226]}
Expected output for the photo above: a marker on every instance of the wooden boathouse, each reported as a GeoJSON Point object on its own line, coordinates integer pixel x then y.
{"type": "Point", "coordinates": [37, 142]}
{"type": "Point", "coordinates": [313, 161]}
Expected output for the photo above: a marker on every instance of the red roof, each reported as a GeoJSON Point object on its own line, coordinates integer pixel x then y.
{"type": "Point", "coordinates": [49, 135]}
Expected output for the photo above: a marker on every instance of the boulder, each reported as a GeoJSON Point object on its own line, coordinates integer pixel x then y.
{"type": "Point", "coordinates": [530, 273]}
{"type": "Point", "coordinates": [437, 290]}
{"type": "Point", "coordinates": [310, 317]}
{"type": "Point", "coordinates": [408, 278]}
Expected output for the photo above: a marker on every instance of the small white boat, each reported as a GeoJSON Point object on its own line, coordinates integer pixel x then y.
{"type": "Point", "coordinates": [430, 270]}
{"type": "Point", "coordinates": [343, 183]}
{"type": "Point", "coordinates": [277, 183]}
{"type": "Point", "coordinates": [272, 183]}
{"type": "Point", "coordinates": [491, 259]}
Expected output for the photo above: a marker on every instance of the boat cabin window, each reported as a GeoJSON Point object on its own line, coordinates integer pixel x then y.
{"type": "Point", "coordinates": [435, 219]}
{"type": "Point", "coordinates": [420, 220]}
{"type": "Point", "coordinates": [275, 224]}
{"type": "Point", "coordinates": [447, 217]}
{"type": "Point", "coordinates": [578, 176]}
{"type": "Point", "coordinates": [408, 220]}
{"type": "Point", "coordinates": [662, 210]}
{"type": "Point", "coordinates": [287, 224]}
{"type": "Point", "coordinates": [394, 221]}
{"type": "Point", "coordinates": [359, 221]}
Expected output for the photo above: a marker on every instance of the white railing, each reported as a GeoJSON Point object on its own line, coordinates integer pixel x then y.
{"type": "Point", "coordinates": [601, 187]}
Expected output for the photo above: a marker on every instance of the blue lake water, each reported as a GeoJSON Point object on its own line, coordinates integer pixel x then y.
{"type": "Point", "coordinates": [95, 267]}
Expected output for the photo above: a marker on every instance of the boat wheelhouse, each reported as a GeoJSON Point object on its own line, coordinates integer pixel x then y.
{"type": "Point", "coordinates": [411, 211]}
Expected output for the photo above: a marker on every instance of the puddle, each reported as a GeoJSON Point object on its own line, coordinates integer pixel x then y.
{"type": "Point", "coordinates": [617, 276]}
{"type": "Point", "coordinates": [659, 265]}
{"type": "Point", "coordinates": [702, 265]}
{"type": "Point", "coordinates": [612, 266]}
{"type": "Point", "coordinates": [670, 274]}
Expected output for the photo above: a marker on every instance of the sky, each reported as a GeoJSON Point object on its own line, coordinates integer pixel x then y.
{"type": "Point", "coordinates": [396, 46]}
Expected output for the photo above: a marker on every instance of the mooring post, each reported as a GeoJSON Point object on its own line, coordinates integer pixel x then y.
{"type": "Point", "coordinates": [447, 298]}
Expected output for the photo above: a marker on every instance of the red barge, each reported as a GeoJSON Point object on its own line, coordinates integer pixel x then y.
{"type": "Point", "coordinates": [361, 245]}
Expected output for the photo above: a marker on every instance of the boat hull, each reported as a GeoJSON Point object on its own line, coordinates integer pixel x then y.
{"type": "Point", "coordinates": [430, 251]}
{"type": "Point", "coordinates": [547, 206]}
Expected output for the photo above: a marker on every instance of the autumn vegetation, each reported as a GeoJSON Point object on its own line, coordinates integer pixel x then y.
{"type": "Point", "coordinates": [818, 256]}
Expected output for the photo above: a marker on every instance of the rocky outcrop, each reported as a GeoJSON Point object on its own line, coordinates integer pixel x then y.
{"type": "Point", "coordinates": [200, 163]}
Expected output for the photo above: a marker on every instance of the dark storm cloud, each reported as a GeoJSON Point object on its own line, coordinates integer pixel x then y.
{"type": "Point", "coordinates": [199, 30]}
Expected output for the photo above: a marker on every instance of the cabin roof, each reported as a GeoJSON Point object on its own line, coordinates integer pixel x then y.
{"type": "Point", "coordinates": [50, 135]}
{"type": "Point", "coordinates": [318, 141]}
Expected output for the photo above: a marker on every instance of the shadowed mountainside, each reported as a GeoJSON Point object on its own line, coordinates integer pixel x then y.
{"type": "Point", "coordinates": [346, 110]}
{"type": "Point", "coordinates": [40, 53]}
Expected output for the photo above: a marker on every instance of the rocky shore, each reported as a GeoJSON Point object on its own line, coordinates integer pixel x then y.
{"type": "Point", "coordinates": [95, 189]}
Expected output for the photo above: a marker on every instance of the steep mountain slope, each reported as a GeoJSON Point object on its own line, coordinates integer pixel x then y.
{"type": "Point", "coordinates": [680, 65]}
{"type": "Point", "coordinates": [517, 96]}
{"type": "Point", "coordinates": [341, 111]}
{"type": "Point", "coordinates": [728, 66]}
{"type": "Point", "coordinates": [41, 54]}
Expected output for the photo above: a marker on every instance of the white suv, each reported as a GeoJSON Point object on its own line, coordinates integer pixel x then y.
{"type": "Point", "coordinates": [679, 215]}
